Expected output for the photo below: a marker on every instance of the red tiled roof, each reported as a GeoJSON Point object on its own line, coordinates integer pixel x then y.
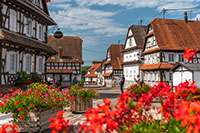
{"type": "Point", "coordinates": [71, 49]}
{"type": "Point", "coordinates": [173, 34]}
{"type": "Point", "coordinates": [156, 66]}
{"type": "Point", "coordinates": [59, 70]}
{"type": "Point", "coordinates": [116, 55]}
{"type": "Point", "coordinates": [150, 50]}
{"type": "Point", "coordinates": [149, 34]}
{"type": "Point", "coordinates": [92, 70]}
{"type": "Point", "coordinates": [107, 74]}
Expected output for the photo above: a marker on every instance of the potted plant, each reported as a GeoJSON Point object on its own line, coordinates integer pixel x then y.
{"type": "Point", "coordinates": [32, 108]}
{"type": "Point", "coordinates": [83, 98]}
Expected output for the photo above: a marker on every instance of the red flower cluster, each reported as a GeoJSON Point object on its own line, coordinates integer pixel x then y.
{"type": "Point", "coordinates": [189, 113]}
{"type": "Point", "coordinates": [12, 129]}
{"type": "Point", "coordinates": [125, 113]}
{"type": "Point", "coordinates": [189, 54]}
{"type": "Point", "coordinates": [59, 123]}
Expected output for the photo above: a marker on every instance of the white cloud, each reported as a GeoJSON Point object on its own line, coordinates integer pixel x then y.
{"type": "Point", "coordinates": [160, 4]}
{"type": "Point", "coordinates": [82, 18]}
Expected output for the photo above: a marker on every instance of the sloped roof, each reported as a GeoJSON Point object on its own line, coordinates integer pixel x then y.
{"type": "Point", "coordinates": [93, 69]}
{"type": "Point", "coordinates": [59, 71]}
{"type": "Point", "coordinates": [139, 32]}
{"type": "Point", "coordinates": [27, 4]}
{"type": "Point", "coordinates": [107, 74]}
{"type": "Point", "coordinates": [172, 34]}
{"type": "Point", "coordinates": [71, 48]}
{"type": "Point", "coordinates": [116, 55]}
{"type": "Point", "coordinates": [189, 66]}
{"type": "Point", "coordinates": [157, 66]}
{"type": "Point", "coordinates": [25, 41]}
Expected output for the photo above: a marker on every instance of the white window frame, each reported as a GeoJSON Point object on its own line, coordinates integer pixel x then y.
{"type": "Point", "coordinates": [40, 64]}
{"type": "Point", "coordinates": [12, 70]}
{"type": "Point", "coordinates": [13, 20]}
{"type": "Point", "coordinates": [28, 63]}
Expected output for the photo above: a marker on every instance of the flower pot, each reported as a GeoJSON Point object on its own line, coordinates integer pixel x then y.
{"type": "Point", "coordinates": [80, 106]}
{"type": "Point", "coordinates": [37, 121]}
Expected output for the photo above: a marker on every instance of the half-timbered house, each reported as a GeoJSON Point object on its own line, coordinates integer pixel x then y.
{"type": "Point", "coordinates": [23, 40]}
{"type": "Point", "coordinates": [112, 65]}
{"type": "Point", "coordinates": [165, 43]}
{"type": "Point", "coordinates": [132, 53]}
{"type": "Point", "coordinates": [93, 74]}
{"type": "Point", "coordinates": [67, 63]}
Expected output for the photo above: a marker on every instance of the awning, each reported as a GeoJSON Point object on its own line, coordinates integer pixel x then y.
{"type": "Point", "coordinates": [25, 41]}
{"type": "Point", "coordinates": [157, 66]}
{"type": "Point", "coordinates": [107, 74]}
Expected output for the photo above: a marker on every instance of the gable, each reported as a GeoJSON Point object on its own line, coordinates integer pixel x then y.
{"type": "Point", "coordinates": [130, 33]}
{"type": "Point", "coordinates": [130, 42]}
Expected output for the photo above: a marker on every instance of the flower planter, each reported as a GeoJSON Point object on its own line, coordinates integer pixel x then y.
{"type": "Point", "coordinates": [37, 121]}
{"type": "Point", "coordinates": [80, 106]}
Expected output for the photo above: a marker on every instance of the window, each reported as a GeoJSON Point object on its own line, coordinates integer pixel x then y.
{"type": "Point", "coordinates": [130, 42]}
{"type": "Point", "coordinates": [171, 57]}
{"type": "Point", "coordinates": [28, 63]}
{"type": "Point", "coordinates": [29, 28]}
{"type": "Point", "coordinates": [40, 32]}
{"type": "Point", "coordinates": [40, 65]}
{"type": "Point", "coordinates": [13, 20]}
{"type": "Point", "coordinates": [180, 58]}
{"type": "Point", "coordinates": [12, 62]}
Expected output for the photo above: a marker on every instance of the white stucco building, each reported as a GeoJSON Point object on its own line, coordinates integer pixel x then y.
{"type": "Point", "coordinates": [112, 65]}
{"type": "Point", "coordinates": [132, 53]}
{"type": "Point", "coordinates": [93, 75]}
{"type": "Point", "coordinates": [186, 71]}
{"type": "Point", "coordinates": [165, 43]}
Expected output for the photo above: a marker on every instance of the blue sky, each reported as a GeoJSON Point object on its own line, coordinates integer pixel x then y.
{"type": "Point", "coordinates": [100, 23]}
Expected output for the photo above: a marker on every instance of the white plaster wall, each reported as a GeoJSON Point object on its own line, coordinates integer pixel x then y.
{"type": "Point", "coordinates": [179, 77]}
{"type": "Point", "coordinates": [131, 55]}
{"type": "Point", "coordinates": [131, 71]}
{"type": "Point", "coordinates": [152, 58]}
{"type": "Point", "coordinates": [197, 78]}
{"type": "Point", "coordinates": [130, 42]}
{"type": "Point", "coordinates": [151, 43]}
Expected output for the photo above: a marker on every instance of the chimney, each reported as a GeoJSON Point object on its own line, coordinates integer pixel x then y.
{"type": "Point", "coordinates": [185, 17]}
{"type": "Point", "coordinates": [60, 52]}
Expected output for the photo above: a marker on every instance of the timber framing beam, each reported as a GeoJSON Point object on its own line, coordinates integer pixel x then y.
{"type": "Point", "coordinates": [1, 17]}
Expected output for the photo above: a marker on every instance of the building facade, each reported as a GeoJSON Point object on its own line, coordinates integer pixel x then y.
{"type": "Point", "coordinates": [112, 65]}
{"type": "Point", "coordinates": [23, 38]}
{"type": "Point", "coordinates": [165, 43]}
{"type": "Point", "coordinates": [93, 74]}
{"type": "Point", "coordinates": [66, 65]}
{"type": "Point", "coordinates": [132, 53]}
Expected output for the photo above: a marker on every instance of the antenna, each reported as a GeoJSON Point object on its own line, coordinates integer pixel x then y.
{"type": "Point", "coordinates": [141, 21]}
{"type": "Point", "coordinates": [164, 11]}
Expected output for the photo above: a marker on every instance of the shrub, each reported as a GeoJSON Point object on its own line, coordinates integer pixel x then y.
{"type": "Point", "coordinates": [83, 93]}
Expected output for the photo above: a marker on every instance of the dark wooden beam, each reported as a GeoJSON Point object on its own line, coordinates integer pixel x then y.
{"type": "Point", "coordinates": [1, 17]}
